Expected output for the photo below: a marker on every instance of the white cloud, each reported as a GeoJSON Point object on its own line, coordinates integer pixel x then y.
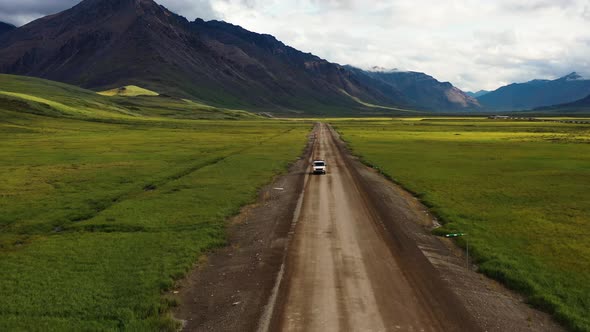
{"type": "Point", "coordinates": [20, 12]}
{"type": "Point", "coordinates": [191, 9]}
{"type": "Point", "coordinates": [473, 44]}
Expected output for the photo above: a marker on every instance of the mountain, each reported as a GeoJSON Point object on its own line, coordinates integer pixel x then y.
{"type": "Point", "coordinates": [5, 27]}
{"type": "Point", "coordinates": [537, 93]}
{"type": "Point", "coordinates": [581, 106]}
{"type": "Point", "coordinates": [477, 94]}
{"type": "Point", "coordinates": [582, 103]}
{"type": "Point", "coordinates": [421, 90]}
{"type": "Point", "coordinates": [105, 44]}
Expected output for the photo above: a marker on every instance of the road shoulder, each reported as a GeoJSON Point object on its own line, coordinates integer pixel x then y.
{"type": "Point", "coordinates": [494, 307]}
{"type": "Point", "coordinates": [229, 289]}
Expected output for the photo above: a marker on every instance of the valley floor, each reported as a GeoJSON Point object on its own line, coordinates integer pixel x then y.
{"type": "Point", "coordinates": [100, 218]}
{"type": "Point", "coordinates": [346, 251]}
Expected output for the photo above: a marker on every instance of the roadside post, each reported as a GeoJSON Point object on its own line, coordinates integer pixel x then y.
{"type": "Point", "coordinates": [451, 235]}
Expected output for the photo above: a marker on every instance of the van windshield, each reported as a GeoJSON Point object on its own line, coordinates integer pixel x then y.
{"type": "Point", "coordinates": [319, 163]}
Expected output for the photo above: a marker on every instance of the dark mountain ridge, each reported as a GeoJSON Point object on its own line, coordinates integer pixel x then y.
{"type": "Point", "coordinates": [584, 102]}
{"type": "Point", "coordinates": [5, 27]}
{"type": "Point", "coordinates": [537, 93]}
{"type": "Point", "coordinates": [102, 44]}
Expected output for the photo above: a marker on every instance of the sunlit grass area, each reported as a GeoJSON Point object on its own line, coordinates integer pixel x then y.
{"type": "Point", "coordinates": [518, 189]}
{"type": "Point", "coordinates": [129, 91]}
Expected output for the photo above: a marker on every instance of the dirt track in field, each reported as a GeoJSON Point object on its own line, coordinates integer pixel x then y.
{"type": "Point", "coordinates": [344, 274]}
{"type": "Point", "coordinates": [345, 251]}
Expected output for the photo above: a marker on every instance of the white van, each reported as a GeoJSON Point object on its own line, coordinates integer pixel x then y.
{"type": "Point", "coordinates": [319, 167]}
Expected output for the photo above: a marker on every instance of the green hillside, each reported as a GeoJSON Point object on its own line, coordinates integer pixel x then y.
{"type": "Point", "coordinates": [43, 97]}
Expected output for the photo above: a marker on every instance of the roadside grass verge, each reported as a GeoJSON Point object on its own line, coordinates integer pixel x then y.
{"type": "Point", "coordinates": [100, 218]}
{"type": "Point", "coordinates": [519, 189]}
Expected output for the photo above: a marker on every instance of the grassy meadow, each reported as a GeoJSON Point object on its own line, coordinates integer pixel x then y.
{"type": "Point", "coordinates": [105, 205]}
{"type": "Point", "coordinates": [520, 190]}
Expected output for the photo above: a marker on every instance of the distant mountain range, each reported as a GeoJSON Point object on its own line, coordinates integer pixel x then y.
{"type": "Point", "coordinates": [477, 94]}
{"type": "Point", "coordinates": [422, 89]}
{"type": "Point", "coordinates": [5, 27]}
{"type": "Point", "coordinates": [104, 44]}
{"type": "Point", "coordinates": [537, 93]}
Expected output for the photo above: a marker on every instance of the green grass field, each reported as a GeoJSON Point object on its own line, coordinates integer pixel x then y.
{"type": "Point", "coordinates": [520, 190]}
{"type": "Point", "coordinates": [105, 205]}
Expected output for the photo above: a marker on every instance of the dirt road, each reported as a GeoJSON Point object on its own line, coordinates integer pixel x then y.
{"type": "Point", "coordinates": [346, 251]}
{"type": "Point", "coordinates": [343, 274]}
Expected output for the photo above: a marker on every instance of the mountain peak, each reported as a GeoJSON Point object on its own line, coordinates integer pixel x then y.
{"type": "Point", "coordinates": [100, 8]}
{"type": "Point", "coordinates": [117, 2]}
{"type": "Point", "coordinates": [379, 69]}
{"type": "Point", "coordinates": [114, 16]}
{"type": "Point", "coordinates": [573, 76]}
{"type": "Point", "coordinates": [477, 94]}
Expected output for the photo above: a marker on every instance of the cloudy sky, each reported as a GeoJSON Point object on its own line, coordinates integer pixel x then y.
{"type": "Point", "coordinates": [473, 44]}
